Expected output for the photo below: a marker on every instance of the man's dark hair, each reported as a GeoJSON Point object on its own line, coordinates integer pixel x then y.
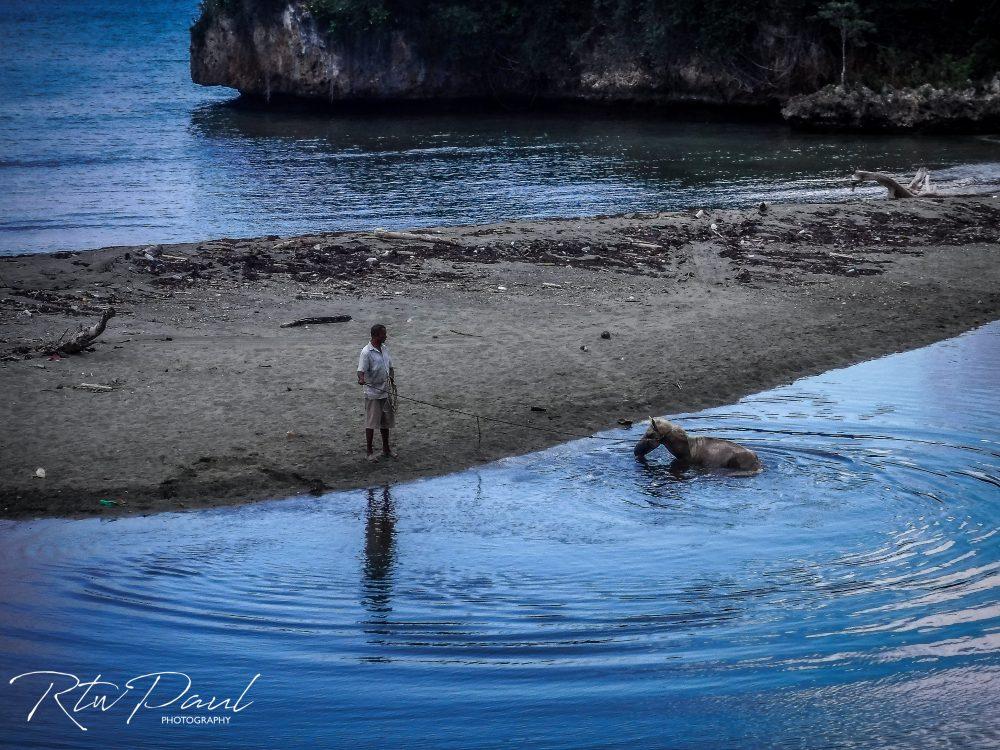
{"type": "Point", "coordinates": [376, 328]}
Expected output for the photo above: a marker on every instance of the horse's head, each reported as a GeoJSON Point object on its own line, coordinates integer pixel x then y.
{"type": "Point", "coordinates": [656, 433]}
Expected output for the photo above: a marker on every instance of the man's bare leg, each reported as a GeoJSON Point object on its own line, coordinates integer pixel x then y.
{"type": "Point", "coordinates": [386, 451]}
{"type": "Point", "coordinates": [369, 438]}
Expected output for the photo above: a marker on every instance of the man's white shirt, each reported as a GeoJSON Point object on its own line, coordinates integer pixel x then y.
{"type": "Point", "coordinates": [375, 365]}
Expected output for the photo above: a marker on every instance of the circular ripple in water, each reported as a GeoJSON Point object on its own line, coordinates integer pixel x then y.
{"type": "Point", "coordinates": [847, 595]}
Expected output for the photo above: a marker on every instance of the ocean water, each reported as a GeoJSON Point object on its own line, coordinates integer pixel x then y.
{"type": "Point", "coordinates": [104, 140]}
{"type": "Point", "coordinates": [844, 598]}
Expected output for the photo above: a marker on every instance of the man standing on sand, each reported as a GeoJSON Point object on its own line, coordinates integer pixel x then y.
{"type": "Point", "coordinates": [375, 373]}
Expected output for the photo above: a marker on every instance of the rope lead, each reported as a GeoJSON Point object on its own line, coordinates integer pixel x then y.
{"type": "Point", "coordinates": [393, 394]}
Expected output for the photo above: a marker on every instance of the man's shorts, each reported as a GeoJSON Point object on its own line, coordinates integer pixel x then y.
{"type": "Point", "coordinates": [379, 414]}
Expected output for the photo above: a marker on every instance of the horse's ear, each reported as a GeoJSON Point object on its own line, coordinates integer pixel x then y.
{"type": "Point", "coordinates": [653, 423]}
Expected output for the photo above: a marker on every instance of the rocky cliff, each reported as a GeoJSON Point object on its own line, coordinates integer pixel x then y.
{"type": "Point", "coordinates": [267, 49]}
{"type": "Point", "coordinates": [663, 52]}
{"type": "Point", "coordinates": [924, 108]}
{"type": "Point", "coordinates": [279, 48]}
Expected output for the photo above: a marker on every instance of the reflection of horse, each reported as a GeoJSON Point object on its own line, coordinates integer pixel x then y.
{"type": "Point", "coordinates": [380, 523]}
{"type": "Point", "coordinates": [707, 452]}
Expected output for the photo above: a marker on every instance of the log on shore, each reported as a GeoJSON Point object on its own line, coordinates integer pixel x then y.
{"type": "Point", "coordinates": [316, 321]}
{"type": "Point", "coordinates": [920, 185]}
{"type": "Point", "coordinates": [84, 337]}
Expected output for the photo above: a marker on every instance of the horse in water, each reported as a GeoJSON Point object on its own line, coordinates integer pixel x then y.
{"type": "Point", "coordinates": [706, 452]}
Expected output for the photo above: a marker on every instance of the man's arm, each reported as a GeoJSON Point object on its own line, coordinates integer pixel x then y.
{"type": "Point", "coordinates": [362, 365]}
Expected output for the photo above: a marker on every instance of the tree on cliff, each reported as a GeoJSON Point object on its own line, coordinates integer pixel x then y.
{"type": "Point", "coordinates": [847, 18]}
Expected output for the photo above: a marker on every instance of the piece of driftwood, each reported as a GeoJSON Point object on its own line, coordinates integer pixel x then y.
{"type": "Point", "coordinates": [644, 245]}
{"type": "Point", "coordinates": [385, 234]}
{"type": "Point", "coordinates": [317, 321]}
{"type": "Point", "coordinates": [96, 387]}
{"type": "Point", "coordinates": [85, 336]}
{"type": "Point", "coordinates": [919, 187]}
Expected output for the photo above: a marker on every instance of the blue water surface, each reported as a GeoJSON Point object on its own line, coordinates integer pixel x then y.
{"type": "Point", "coordinates": [105, 140]}
{"type": "Point", "coordinates": [573, 598]}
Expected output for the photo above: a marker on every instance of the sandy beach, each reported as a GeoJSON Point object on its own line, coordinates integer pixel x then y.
{"type": "Point", "coordinates": [209, 401]}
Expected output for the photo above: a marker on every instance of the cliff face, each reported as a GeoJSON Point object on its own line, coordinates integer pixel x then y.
{"type": "Point", "coordinates": [272, 48]}
{"type": "Point", "coordinates": [266, 49]}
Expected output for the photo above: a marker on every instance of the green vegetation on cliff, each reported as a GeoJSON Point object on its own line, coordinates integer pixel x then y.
{"type": "Point", "coordinates": [908, 41]}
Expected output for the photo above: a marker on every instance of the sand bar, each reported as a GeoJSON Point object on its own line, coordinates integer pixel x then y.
{"type": "Point", "coordinates": [206, 400]}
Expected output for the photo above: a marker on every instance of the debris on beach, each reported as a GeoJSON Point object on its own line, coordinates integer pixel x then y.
{"type": "Point", "coordinates": [422, 236]}
{"type": "Point", "coordinates": [774, 247]}
{"type": "Point", "coordinates": [317, 321]}
{"type": "Point", "coordinates": [82, 339]}
{"type": "Point", "coordinates": [95, 387]}
{"type": "Point", "coordinates": [920, 185]}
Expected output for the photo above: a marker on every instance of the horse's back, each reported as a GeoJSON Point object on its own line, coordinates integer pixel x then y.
{"type": "Point", "coordinates": [725, 454]}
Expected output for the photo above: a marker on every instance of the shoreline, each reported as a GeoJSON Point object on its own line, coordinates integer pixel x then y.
{"type": "Point", "coordinates": [212, 403]}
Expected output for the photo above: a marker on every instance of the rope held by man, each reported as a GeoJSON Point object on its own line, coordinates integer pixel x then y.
{"type": "Point", "coordinates": [393, 394]}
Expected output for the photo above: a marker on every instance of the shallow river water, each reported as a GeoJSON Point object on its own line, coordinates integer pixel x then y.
{"type": "Point", "coordinates": [846, 597]}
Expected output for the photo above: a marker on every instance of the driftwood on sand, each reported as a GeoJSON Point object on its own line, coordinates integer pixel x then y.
{"type": "Point", "coordinates": [920, 185]}
{"type": "Point", "coordinates": [316, 321]}
{"type": "Point", "coordinates": [385, 234]}
{"type": "Point", "coordinates": [85, 336]}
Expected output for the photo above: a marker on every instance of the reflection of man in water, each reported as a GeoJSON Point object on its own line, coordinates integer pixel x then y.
{"type": "Point", "coordinates": [380, 521]}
